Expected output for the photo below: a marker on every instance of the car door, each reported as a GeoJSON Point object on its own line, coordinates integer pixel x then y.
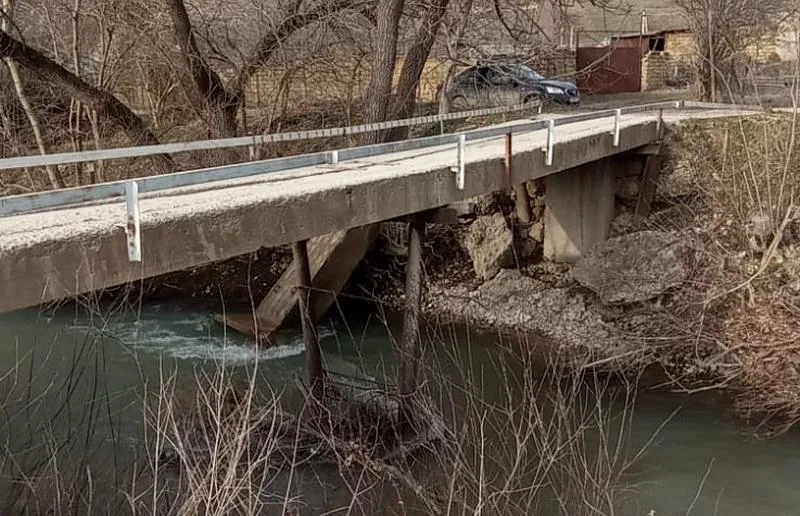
{"type": "Point", "coordinates": [483, 87]}
{"type": "Point", "coordinates": [469, 91]}
{"type": "Point", "coordinates": [505, 87]}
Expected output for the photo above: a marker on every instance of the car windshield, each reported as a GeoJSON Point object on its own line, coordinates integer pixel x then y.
{"type": "Point", "coordinates": [526, 73]}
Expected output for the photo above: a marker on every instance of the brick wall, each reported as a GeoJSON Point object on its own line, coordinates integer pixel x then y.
{"type": "Point", "coordinates": [770, 48]}
{"type": "Point", "coordinates": [560, 64]}
{"type": "Point", "coordinates": [657, 67]}
{"type": "Point", "coordinates": [681, 46]}
{"type": "Point", "coordinates": [345, 80]}
{"type": "Point", "coordinates": [342, 80]}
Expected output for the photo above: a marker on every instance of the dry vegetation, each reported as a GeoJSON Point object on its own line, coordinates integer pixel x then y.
{"type": "Point", "coordinates": [735, 195]}
{"type": "Point", "coordinates": [89, 74]}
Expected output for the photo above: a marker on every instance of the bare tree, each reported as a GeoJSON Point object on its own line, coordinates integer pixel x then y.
{"type": "Point", "coordinates": [225, 101]}
{"type": "Point", "coordinates": [387, 31]}
{"type": "Point", "coordinates": [724, 29]}
{"type": "Point", "coordinates": [101, 101]}
{"type": "Point", "coordinates": [52, 172]}
{"type": "Point", "coordinates": [414, 64]}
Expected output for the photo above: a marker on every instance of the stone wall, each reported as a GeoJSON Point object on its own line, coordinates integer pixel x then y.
{"type": "Point", "coordinates": [345, 80]}
{"type": "Point", "coordinates": [681, 46]}
{"type": "Point", "coordinates": [657, 68]}
{"type": "Point", "coordinates": [342, 80]}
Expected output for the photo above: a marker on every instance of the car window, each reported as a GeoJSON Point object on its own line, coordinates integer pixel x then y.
{"type": "Point", "coordinates": [466, 77]}
{"type": "Point", "coordinates": [484, 77]}
{"type": "Point", "coordinates": [526, 73]}
{"type": "Point", "coordinates": [500, 76]}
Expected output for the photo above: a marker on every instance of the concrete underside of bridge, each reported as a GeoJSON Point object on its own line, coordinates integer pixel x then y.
{"type": "Point", "coordinates": [332, 260]}
{"type": "Point", "coordinates": [37, 267]}
{"type": "Point", "coordinates": [579, 208]}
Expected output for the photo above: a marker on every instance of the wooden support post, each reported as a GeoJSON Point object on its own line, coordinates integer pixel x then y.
{"type": "Point", "coordinates": [647, 187]}
{"type": "Point", "coordinates": [313, 354]}
{"type": "Point", "coordinates": [409, 352]}
{"type": "Point", "coordinates": [522, 199]}
{"type": "Point", "coordinates": [507, 161]}
{"type": "Point", "coordinates": [523, 204]}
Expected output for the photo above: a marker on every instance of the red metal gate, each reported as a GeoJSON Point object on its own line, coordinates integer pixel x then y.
{"type": "Point", "coordinates": [609, 69]}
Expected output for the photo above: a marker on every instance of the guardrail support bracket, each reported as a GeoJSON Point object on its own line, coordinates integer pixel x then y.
{"type": "Point", "coordinates": [459, 169]}
{"type": "Point", "coordinates": [551, 137]}
{"type": "Point", "coordinates": [132, 228]}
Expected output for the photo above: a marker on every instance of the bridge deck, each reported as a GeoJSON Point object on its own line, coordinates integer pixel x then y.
{"type": "Point", "coordinates": [50, 255]}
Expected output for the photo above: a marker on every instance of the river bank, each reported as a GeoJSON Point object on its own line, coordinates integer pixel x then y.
{"type": "Point", "coordinates": [704, 291]}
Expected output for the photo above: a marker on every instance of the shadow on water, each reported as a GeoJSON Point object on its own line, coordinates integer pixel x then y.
{"type": "Point", "coordinates": [71, 386]}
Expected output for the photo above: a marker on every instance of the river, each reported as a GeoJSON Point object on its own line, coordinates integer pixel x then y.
{"type": "Point", "coordinates": [699, 458]}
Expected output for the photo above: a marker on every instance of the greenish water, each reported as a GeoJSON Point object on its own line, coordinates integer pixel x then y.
{"type": "Point", "coordinates": [699, 458]}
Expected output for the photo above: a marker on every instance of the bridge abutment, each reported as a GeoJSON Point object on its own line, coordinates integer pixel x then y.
{"type": "Point", "coordinates": [579, 208]}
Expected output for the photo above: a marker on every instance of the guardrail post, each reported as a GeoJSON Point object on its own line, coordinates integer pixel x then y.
{"type": "Point", "coordinates": [660, 123]}
{"type": "Point", "coordinates": [507, 161]}
{"type": "Point", "coordinates": [617, 121]}
{"type": "Point", "coordinates": [333, 157]}
{"type": "Point", "coordinates": [551, 137]}
{"type": "Point", "coordinates": [132, 228]}
{"type": "Point", "coordinates": [460, 168]}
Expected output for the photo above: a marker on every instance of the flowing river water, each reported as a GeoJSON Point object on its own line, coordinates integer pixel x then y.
{"type": "Point", "coordinates": [700, 458]}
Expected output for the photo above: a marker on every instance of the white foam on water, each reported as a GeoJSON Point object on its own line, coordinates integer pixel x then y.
{"type": "Point", "coordinates": [188, 335]}
{"type": "Point", "coordinates": [189, 338]}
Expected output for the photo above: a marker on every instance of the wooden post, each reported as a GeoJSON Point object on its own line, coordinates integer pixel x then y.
{"type": "Point", "coordinates": [522, 200]}
{"type": "Point", "coordinates": [649, 182]}
{"type": "Point", "coordinates": [313, 355]}
{"type": "Point", "coordinates": [409, 352]}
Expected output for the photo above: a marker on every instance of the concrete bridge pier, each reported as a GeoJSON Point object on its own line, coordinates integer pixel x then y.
{"type": "Point", "coordinates": [579, 208]}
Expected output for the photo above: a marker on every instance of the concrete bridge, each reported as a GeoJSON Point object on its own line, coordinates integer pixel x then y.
{"type": "Point", "coordinates": [61, 244]}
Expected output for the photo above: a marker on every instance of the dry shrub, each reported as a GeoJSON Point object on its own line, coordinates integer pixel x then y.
{"type": "Point", "coordinates": [740, 204]}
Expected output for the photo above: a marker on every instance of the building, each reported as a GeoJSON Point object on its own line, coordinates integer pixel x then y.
{"type": "Point", "coordinates": [639, 45]}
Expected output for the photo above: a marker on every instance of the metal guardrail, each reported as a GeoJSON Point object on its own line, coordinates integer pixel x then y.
{"type": "Point", "coordinates": [130, 189]}
{"type": "Point", "coordinates": [26, 203]}
{"type": "Point", "coordinates": [66, 158]}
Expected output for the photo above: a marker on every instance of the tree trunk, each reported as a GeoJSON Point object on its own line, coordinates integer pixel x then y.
{"type": "Point", "coordinates": [409, 346]}
{"type": "Point", "coordinates": [453, 40]}
{"type": "Point", "coordinates": [222, 105]}
{"type": "Point", "coordinates": [52, 172]}
{"type": "Point", "coordinates": [379, 91]}
{"type": "Point", "coordinates": [103, 102]}
{"type": "Point", "coordinates": [414, 64]}
{"type": "Point", "coordinates": [316, 374]}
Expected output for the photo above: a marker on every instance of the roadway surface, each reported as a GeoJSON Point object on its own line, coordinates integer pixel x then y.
{"type": "Point", "coordinates": [50, 255]}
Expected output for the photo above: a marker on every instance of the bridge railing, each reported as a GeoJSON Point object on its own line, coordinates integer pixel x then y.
{"type": "Point", "coordinates": [26, 203]}
{"type": "Point", "coordinates": [253, 141]}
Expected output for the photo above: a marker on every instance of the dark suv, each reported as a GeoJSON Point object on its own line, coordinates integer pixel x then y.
{"type": "Point", "coordinates": [507, 84]}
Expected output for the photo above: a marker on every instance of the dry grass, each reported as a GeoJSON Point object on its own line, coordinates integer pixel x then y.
{"type": "Point", "coordinates": [737, 321]}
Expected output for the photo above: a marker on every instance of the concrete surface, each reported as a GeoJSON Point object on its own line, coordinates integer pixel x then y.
{"type": "Point", "coordinates": [332, 260]}
{"type": "Point", "coordinates": [579, 208]}
{"type": "Point", "coordinates": [62, 253]}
